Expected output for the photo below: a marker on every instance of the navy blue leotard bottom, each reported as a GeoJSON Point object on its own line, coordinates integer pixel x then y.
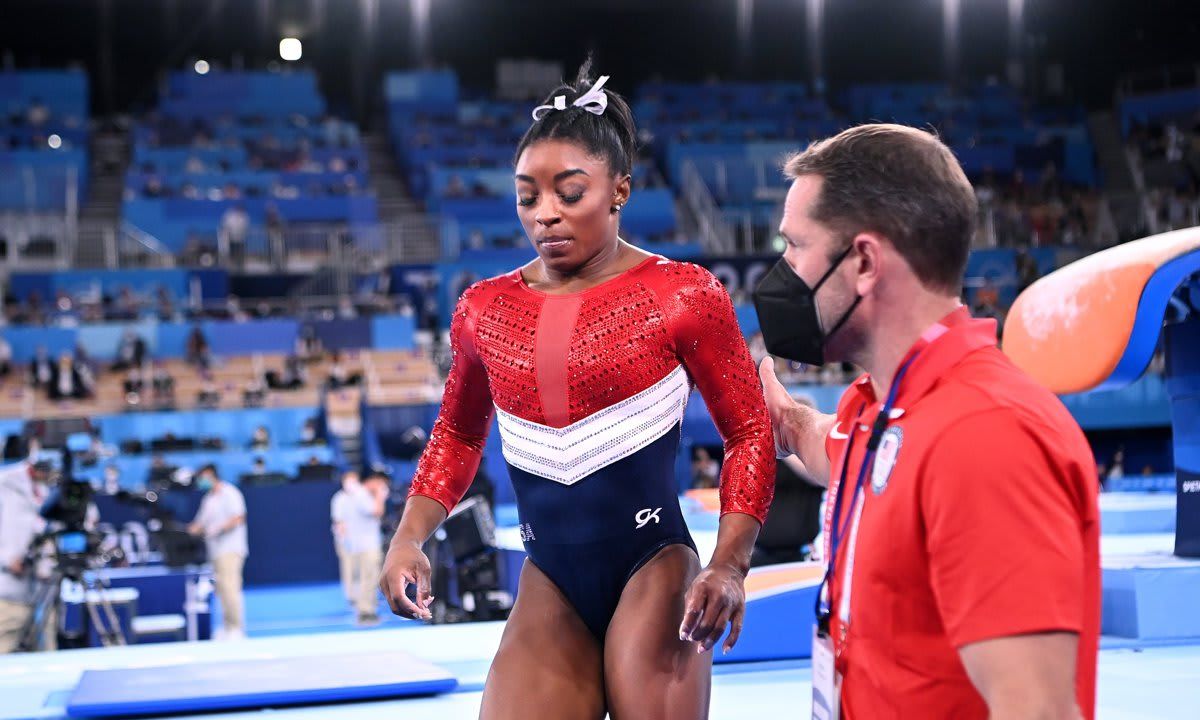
{"type": "Point", "coordinates": [590, 537]}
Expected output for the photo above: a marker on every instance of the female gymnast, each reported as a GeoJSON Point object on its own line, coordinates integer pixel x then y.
{"type": "Point", "coordinates": [588, 355]}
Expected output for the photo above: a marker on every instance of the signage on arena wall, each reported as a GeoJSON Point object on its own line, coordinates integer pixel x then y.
{"type": "Point", "coordinates": [739, 275]}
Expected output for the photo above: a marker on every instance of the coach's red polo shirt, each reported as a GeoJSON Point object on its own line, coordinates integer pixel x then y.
{"type": "Point", "coordinates": [979, 521]}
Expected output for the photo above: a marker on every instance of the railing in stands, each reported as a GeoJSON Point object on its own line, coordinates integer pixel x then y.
{"type": "Point", "coordinates": [1170, 77]}
{"type": "Point", "coordinates": [702, 212]}
{"type": "Point", "coordinates": [137, 248]}
{"type": "Point", "coordinates": [34, 241]}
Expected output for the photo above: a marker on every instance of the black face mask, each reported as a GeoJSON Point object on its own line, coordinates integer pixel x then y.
{"type": "Point", "coordinates": [788, 316]}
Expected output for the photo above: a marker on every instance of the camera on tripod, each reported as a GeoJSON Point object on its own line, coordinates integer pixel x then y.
{"type": "Point", "coordinates": [76, 547]}
{"type": "Point", "coordinates": [179, 548]}
{"type": "Point", "coordinates": [465, 550]}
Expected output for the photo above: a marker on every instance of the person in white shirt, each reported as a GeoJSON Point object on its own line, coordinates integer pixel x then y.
{"type": "Point", "coordinates": [337, 513]}
{"type": "Point", "coordinates": [5, 357]}
{"type": "Point", "coordinates": [362, 540]}
{"type": "Point", "coordinates": [222, 522]}
{"type": "Point", "coordinates": [235, 224]}
{"type": "Point", "coordinates": [22, 492]}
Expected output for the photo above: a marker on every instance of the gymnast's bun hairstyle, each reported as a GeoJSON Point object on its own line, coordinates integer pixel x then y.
{"type": "Point", "coordinates": [608, 134]}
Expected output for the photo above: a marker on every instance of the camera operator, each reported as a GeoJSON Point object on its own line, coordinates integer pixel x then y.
{"type": "Point", "coordinates": [23, 489]}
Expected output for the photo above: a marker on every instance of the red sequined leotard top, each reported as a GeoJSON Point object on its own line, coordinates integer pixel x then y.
{"type": "Point", "coordinates": [581, 381]}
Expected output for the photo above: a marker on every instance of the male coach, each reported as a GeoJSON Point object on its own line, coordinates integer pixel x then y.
{"type": "Point", "coordinates": [962, 530]}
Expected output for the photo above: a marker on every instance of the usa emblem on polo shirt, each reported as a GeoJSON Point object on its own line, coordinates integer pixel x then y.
{"type": "Point", "coordinates": [885, 459]}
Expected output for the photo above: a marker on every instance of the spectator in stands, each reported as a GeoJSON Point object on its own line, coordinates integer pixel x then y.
{"type": "Point", "coordinates": [38, 113]}
{"type": "Point", "coordinates": [166, 306]}
{"type": "Point", "coordinates": [705, 470]}
{"type": "Point", "coordinates": [221, 521]}
{"type": "Point", "coordinates": [154, 188]}
{"type": "Point", "coordinates": [1116, 469]}
{"type": "Point", "coordinates": [987, 300]}
{"type": "Point", "coordinates": [308, 433]}
{"type": "Point", "coordinates": [83, 359]}
{"type": "Point", "coordinates": [339, 375]}
{"type": "Point", "coordinates": [110, 484]}
{"type": "Point", "coordinates": [261, 440]}
{"type": "Point", "coordinates": [235, 224]}
{"type": "Point", "coordinates": [41, 368]}
{"type": "Point", "coordinates": [346, 309]}
{"type": "Point", "coordinates": [259, 467]}
{"type": "Point", "coordinates": [1027, 271]}
{"type": "Point", "coordinates": [67, 382]}
{"type": "Point", "coordinates": [133, 385]}
{"type": "Point", "coordinates": [233, 308]}
{"type": "Point", "coordinates": [208, 396]}
{"type": "Point", "coordinates": [308, 345]}
{"type": "Point", "coordinates": [131, 351]}
{"type": "Point", "coordinates": [164, 385]}
{"type": "Point", "coordinates": [275, 231]}
{"type": "Point", "coordinates": [97, 450]}
{"type": "Point", "coordinates": [294, 375]}
{"type": "Point", "coordinates": [254, 394]}
{"type": "Point", "coordinates": [475, 240]}
{"type": "Point", "coordinates": [83, 366]}
{"type": "Point", "coordinates": [455, 187]}
{"type": "Point", "coordinates": [34, 313]}
{"type": "Point", "coordinates": [197, 353]}
{"type": "Point", "coordinates": [404, 306]}
{"type": "Point", "coordinates": [5, 358]}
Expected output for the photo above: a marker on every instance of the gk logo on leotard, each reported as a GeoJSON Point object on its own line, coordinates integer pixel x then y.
{"type": "Point", "coordinates": [644, 517]}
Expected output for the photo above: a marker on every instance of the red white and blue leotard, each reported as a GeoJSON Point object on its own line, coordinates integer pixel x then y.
{"type": "Point", "coordinates": [590, 390]}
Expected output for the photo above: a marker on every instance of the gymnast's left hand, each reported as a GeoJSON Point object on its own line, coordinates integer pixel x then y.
{"type": "Point", "coordinates": [716, 599]}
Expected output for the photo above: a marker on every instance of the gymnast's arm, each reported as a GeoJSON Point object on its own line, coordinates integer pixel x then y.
{"type": "Point", "coordinates": [446, 468]}
{"type": "Point", "coordinates": [711, 346]}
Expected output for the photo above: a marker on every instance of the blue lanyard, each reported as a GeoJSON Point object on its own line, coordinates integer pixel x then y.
{"type": "Point", "coordinates": [839, 527]}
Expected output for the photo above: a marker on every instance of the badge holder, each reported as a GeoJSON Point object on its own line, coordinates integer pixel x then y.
{"type": "Point", "coordinates": [826, 681]}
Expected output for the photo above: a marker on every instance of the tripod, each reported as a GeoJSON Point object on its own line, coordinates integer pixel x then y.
{"type": "Point", "coordinates": [48, 606]}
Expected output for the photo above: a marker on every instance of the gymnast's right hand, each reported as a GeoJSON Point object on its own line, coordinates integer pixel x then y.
{"type": "Point", "coordinates": [407, 564]}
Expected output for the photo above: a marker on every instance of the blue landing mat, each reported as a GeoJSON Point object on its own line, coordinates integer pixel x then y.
{"type": "Point", "coordinates": [255, 683]}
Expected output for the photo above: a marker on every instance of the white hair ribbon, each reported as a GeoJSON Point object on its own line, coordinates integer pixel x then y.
{"type": "Point", "coordinates": [594, 101]}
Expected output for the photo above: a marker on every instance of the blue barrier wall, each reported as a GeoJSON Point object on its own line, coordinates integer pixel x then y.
{"type": "Point", "coordinates": [234, 426]}
{"type": "Point", "coordinates": [142, 283]}
{"type": "Point", "coordinates": [25, 341]}
{"type": "Point", "coordinates": [265, 336]}
{"type": "Point", "coordinates": [225, 338]}
{"type": "Point", "coordinates": [101, 341]}
{"type": "Point", "coordinates": [392, 332]}
{"type": "Point", "coordinates": [343, 334]}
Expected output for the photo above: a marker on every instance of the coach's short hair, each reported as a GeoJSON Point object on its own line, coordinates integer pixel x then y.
{"type": "Point", "coordinates": [902, 183]}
